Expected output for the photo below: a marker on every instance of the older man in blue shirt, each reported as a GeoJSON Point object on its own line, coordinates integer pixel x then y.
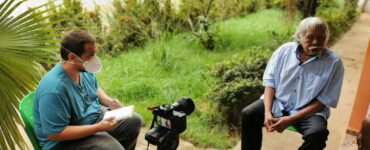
{"type": "Point", "coordinates": [302, 80]}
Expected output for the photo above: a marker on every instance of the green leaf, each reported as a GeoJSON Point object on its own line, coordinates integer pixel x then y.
{"type": "Point", "coordinates": [26, 40]}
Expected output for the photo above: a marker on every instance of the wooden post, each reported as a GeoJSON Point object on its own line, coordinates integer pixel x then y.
{"type": "Point", "coordinates": [361, 104]}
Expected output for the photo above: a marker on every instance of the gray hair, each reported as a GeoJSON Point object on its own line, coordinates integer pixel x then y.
{"type": "Point", "coordinates": [309, 24]}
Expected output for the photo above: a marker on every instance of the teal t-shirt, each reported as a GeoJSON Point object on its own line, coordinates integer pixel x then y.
{"type": "Point", "coordinates": [59, 102]}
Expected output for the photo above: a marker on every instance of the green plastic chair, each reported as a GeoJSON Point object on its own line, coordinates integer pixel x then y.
{"type": "Point", "coordinates": [26, 111]}
{"type": "Point", "coordinates": [292, 128]}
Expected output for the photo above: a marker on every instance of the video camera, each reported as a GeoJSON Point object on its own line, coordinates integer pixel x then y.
{"type": "Point", "coordinates": [172, 122]}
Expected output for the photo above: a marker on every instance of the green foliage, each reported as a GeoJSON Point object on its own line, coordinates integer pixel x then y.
{"type": "Point", "coordinates": [275, 3]}
{"type": "Point", "coordinates": [204, 35]}
{"type": "Point", "coordinates": [339, 16]}
{"type": "Point", "coordinates": [238, 83]}
{"type": "Point", "coordinates": [177, 65]}
{"type": "Point", "coordinates": [267, 28]}
{"type": "Point", "coordinates": [26, 40]}
{"type": "Point", "coordinates": [94, 25]}
{"type": "Point", "coordinates": [163, 71]}
{"type": "Point", "coordinates": [66, 16]}
{"type": "Point", "coordinates": [132, 24]}
{"type": "Point", "coordinates": [70, 14]}
{"type": "Point", "coordinates": [226, 9]}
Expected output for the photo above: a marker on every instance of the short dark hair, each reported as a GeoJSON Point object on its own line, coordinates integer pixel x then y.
{"type": "Point", "coordinates": [74, 41]}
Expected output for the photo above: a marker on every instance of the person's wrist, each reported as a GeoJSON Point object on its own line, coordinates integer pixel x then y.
{"type": "Point", "coordinates": [268, 113]}
{"type": "Point", "coordinates": [291, 119]}
{"type": "Point", "coordinates": [97, 127]}
{"type": "Point", "coordinates": [111, 101]}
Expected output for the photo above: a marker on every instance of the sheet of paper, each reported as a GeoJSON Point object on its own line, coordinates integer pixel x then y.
{"type": "Point", "coordinates": [120, 113]}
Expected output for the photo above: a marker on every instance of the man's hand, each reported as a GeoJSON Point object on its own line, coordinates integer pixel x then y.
{"type": "Point", "coordinates": [268, 122]}
{"type": "Point", "coordinates": [107, 124]}
{"type": "Point", "coordinates": [280, 124]}
{"type": "Point", "coordinates": [114, 104]}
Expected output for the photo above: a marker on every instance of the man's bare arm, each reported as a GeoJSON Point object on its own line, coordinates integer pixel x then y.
{"type": "Point", "coordinates": [268, 98]}
{"type": "Point", "coordinates": [269, 95]}
{"type": "Point", "coordinates": [104, 99]}
{"type": "Point", "coordinates": [74, 132]}
{"type": "Point", "coordinates": [313, 107]}
{"type": "Point", "coordinates": [77, 132]}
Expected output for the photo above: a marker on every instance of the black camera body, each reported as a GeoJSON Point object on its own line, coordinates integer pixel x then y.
{"type": "Point", "coordinates": [172, 122]}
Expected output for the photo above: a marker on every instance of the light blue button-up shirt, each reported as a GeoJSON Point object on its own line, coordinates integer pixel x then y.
{"type": "Point", "coordinates": [296, 84]}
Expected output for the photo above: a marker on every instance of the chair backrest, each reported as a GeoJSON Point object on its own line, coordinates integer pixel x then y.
{"type": "Point", "coordinates": [26, 111]}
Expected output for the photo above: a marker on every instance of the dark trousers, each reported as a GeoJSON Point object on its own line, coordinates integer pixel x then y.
{"type": "Point", "coordinates": [124, 136]}
{"type": "Point", "coordinates": [313, 128]}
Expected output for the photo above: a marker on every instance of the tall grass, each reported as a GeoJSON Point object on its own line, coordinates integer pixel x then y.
{"type": "Point", "coordinates": [177, 66]}
{"type": "Point", "coordinates": [266, 28]}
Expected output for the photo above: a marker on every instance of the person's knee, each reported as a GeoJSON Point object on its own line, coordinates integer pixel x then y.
{"type": "Point", "coordinates": [247, 111]}
{"type": "Point", "coordinates": [256, 108]}
{"type": "Point", "coordinates": [105, 141]}
{"type": "Point", "coordinates": [318, 133]}
{"type": "Point", "coordinates": [111, 144]}
{"type": "Point", "coordinates": [135, 122]}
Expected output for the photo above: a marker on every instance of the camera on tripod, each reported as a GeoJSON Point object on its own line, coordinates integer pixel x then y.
{"type": "Point", "coordinates": [172, 122]}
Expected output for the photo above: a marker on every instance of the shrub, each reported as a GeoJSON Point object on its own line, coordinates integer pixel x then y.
{"type": "Point", "coordinates": [70, 15]}
{"type": "Point", "coordinates": [130, 25]}
{"type": "Point", "coordinates": [203, 33]}
{"type": "Point", "coordinates": [133, 22]}
{"type": "Point", "coordinates": [339, 16]}
{"type": "Point", "coordinates": [238, 83]}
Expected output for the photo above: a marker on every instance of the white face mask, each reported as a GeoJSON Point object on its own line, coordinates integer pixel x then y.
{"type": "Point", "coordinates": [93, 65]}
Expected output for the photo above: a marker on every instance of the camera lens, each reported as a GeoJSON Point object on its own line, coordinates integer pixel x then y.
{"type": "Point", "coordinates": [185, 105]}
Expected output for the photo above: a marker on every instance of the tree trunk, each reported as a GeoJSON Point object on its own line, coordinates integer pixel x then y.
{"type": "Point", "coordinates": [308, 8]}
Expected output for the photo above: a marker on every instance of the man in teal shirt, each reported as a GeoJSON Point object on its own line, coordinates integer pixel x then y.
{"type": "Point", "coordinates": [67, 103]}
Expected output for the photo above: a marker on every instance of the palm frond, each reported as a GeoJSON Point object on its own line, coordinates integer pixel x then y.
{"type": "Point", "coordinates": [26, 40]}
